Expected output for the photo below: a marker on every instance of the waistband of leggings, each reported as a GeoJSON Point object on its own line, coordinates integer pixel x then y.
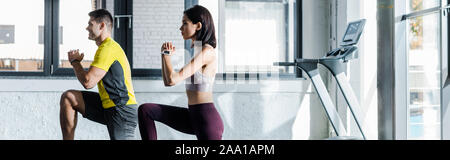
{"type": "Point", "coordinates": [202, 105]}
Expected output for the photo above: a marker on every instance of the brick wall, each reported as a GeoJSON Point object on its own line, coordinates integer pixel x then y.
{"type": "Point", "coordinates": [154, 22]}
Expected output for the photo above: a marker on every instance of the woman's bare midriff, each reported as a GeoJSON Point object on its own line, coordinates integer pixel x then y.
{"type": "Point", "coordinates": [195, 97]}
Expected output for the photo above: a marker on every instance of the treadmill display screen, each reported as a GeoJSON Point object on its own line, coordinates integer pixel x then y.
{"type": "Point", "coordinates": [352, 29]}
{"type": "Point", "coordinates": [353, 33]}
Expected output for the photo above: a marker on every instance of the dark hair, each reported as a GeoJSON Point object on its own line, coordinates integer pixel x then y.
{"type": "Point", "coordinates": [207, 33]}
{"type": "Point", "coordinates": [102, 15]}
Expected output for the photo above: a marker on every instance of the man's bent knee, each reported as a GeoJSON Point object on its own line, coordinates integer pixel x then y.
{"type": "Point", "coordinates": [71, 99]}
{"type": "Point", "coordinates": [69, 94]}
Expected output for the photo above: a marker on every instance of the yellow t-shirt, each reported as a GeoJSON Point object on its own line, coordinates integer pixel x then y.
{"type": "Point", "coordinates": [116, 87]}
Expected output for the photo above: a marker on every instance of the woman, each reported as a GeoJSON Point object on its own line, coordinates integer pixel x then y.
{"type": "Point", "coordinates": [201, 117]}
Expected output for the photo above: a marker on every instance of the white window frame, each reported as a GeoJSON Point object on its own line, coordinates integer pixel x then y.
{"type": "Point", "coordinates": [402, 98]}
{"type": "Point", "coordinates": [292, 51]}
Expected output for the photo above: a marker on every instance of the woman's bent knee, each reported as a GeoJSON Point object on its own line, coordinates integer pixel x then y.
{"type": "Point", "coordinates": [145, 110]}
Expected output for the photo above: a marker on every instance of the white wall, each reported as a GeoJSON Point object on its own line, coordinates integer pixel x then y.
{"type": "Point", "coordinates": [268, 110]}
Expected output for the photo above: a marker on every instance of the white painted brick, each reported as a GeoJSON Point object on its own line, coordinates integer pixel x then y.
{"type": "Point", "coordinates": [155, 21]}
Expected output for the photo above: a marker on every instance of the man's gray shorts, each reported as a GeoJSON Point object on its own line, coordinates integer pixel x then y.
{"type": "Point", "coordinates": [121, 121]}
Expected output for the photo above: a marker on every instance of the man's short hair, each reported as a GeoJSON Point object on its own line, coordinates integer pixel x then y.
{"type": "Point", "coordinates": [102, 15]}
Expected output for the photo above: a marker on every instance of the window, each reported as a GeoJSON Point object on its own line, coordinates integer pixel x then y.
{"type": "Point", "coordinates": [424, 73]}
{"type": "Point", "coordinates": [27, 40]}
{"type": "Point", "coordinates": [74, 18]}
{"type": "Point", "coordinates": [41, 35]}
{"type": "Point", "coordinates": [20, 52]}
{"type": "Point", "coordinates": [253, 34]}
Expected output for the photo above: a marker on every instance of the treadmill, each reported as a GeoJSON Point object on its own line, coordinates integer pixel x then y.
{"type": "Point", "coordinates": [336, 61]}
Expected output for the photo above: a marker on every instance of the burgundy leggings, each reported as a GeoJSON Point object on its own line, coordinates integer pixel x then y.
{"type": "Point", "coordinates": [201, 120]}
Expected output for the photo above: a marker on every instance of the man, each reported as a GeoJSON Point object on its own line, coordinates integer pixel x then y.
{"type": "Point", "coordinates": [115, 104]}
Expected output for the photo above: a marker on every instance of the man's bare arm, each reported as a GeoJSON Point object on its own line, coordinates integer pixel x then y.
{"type": "Point", "coordinates": [88, 78]}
